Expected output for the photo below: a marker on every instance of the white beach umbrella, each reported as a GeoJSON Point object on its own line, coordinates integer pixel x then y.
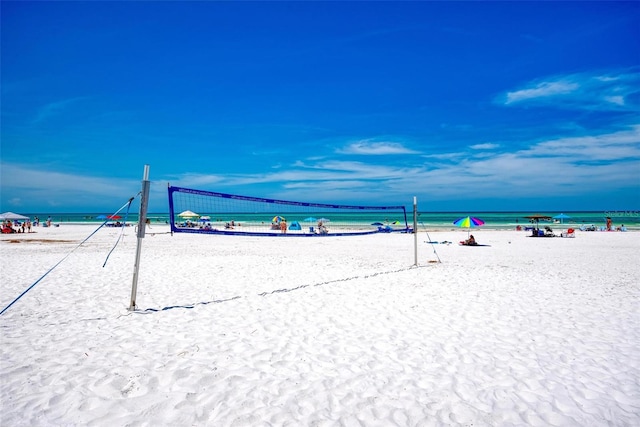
{"type": "Point", "coordinates": [188, 214]}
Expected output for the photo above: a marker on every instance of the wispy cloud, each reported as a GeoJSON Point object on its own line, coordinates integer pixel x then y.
{"type": "Point", "coordinates": [582, 91]}
{"type": "Point", "coordinates": [26, 185]}
{"type": "Point", "coordinates": [375, 148]}
{"type": "Point", "coordinates": [570, 166]}
{"type": "Point", "coordinates": [485, 146]}
{"type": "Point", "coordinates": [54, 108]}
{"type": "Point", "coordinates": [576, 166]}
{"type": "Point", "coordinates": [540, 90]}
{"type": "Point", "coordinates": [621, 145]}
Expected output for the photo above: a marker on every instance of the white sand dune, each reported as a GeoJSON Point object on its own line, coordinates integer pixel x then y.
{"type": "Point", "coordinates": [324, 331]}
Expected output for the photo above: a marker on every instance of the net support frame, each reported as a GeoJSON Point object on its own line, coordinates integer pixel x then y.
{"type": "Point", "coordinates": [174, 229]}
{"type": "Point", "coordinates": [142, 222]}
{"type": "Point", "coordinates": [415, 230]}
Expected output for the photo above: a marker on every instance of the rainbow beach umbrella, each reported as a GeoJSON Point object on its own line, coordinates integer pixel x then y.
{"type": "Point", "coordinates": [468, 222]}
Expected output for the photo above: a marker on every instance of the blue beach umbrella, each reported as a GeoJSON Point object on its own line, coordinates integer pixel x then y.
{"type": "Point", "coordinates": [561, 217]}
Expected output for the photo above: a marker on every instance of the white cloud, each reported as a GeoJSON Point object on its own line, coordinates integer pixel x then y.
{"type": "Point", "coordinates": [35, 185]}
{"type": "Point", "coordinates": [53, 109]}
{"type": "Point", "coordinates": [485, 146]}
{"type": "Point", "coordinates": [589, 166]}
{"type": "Point", "coordinates": [620, 145]}
{"type": "Point", "coordinates": [617, 99]}
{"type": "Point", "coordinates": [582, 91]}
{"type": "Point", "coordinates": [197, 180]}
{"type": "Point", "coordinates": [27, 177]}
{"type": "Point", "coordinates": [541, 90]}
{"type": "Point", "coordinates": [367, 147]}
{"type": "Point", "coordinates": [576, 166]}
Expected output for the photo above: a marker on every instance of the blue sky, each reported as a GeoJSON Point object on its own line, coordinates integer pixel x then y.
{"type": "Point", "coordinates": [469, 106]}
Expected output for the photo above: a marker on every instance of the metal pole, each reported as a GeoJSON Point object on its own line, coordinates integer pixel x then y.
{"type": "Point", "coordinates": [142, 222]}
{"type": "Point", "coordinates": [415, 229]}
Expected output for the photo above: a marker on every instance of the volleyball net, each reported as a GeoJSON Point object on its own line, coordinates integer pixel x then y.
{"type": "Point", "coordinates": [208, 212]}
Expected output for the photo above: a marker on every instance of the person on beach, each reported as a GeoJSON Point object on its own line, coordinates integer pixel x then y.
{"type": "Point", "coordinates": [471, 241]}
{"type": "Point", "coordinates": [322, 229]}
{"type": "Point", "coordinates": [6, 227]}
{"type": "Point", "coordinates": [609, 224]}
{"type": "Point", "coordinates": [283, 226]}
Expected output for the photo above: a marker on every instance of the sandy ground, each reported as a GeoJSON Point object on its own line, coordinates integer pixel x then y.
{"type": "Point", "coordinates": [322, 331]}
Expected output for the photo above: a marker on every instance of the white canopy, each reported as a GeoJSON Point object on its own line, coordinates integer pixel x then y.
{"type": "Point", "coordinates": [12, 216]}
{"type": "Point", "coordinates": [188, 214]}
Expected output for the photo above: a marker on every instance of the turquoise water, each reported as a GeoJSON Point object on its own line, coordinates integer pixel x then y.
{"type": "Point", "coordinates": [429, 220]}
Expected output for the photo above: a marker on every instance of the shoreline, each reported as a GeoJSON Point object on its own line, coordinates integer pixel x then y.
{"type": "Point", "coordinates": [421, 229]}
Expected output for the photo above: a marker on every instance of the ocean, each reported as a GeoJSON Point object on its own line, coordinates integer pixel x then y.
{"type": "Point", "coordinates": [426, 220]}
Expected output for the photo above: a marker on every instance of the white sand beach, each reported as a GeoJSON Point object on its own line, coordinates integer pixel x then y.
{"type": "Point", "coordinates": [320, 331]}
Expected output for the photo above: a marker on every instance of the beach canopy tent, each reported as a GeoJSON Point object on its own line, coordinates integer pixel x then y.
{"type": "Point", "coordinates": [12, 216]}
{"type": "Point", "coordinates": [295, 225]}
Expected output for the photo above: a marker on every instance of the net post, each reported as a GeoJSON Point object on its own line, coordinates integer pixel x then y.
{"type": "Point", "coordinates": [142, 222]}
{"type": "Point", "coordinates": [415, 230]}
{"type": "Point", "coordinates": [172, 222]}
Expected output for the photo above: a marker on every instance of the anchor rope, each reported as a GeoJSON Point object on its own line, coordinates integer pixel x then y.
{"type": "Point", "coordinates": [65, 257]}
{"type": "Point", "coordinates": [429, 237]}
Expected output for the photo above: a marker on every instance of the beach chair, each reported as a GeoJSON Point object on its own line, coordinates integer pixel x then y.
{"type": "Point", "coordinates": [569, 233]}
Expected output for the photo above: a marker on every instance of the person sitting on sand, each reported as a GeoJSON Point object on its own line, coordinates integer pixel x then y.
{"type": "Point", "coordinates": [322, 229]}
{"type": "Point", "coordinates": [471, 241]}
